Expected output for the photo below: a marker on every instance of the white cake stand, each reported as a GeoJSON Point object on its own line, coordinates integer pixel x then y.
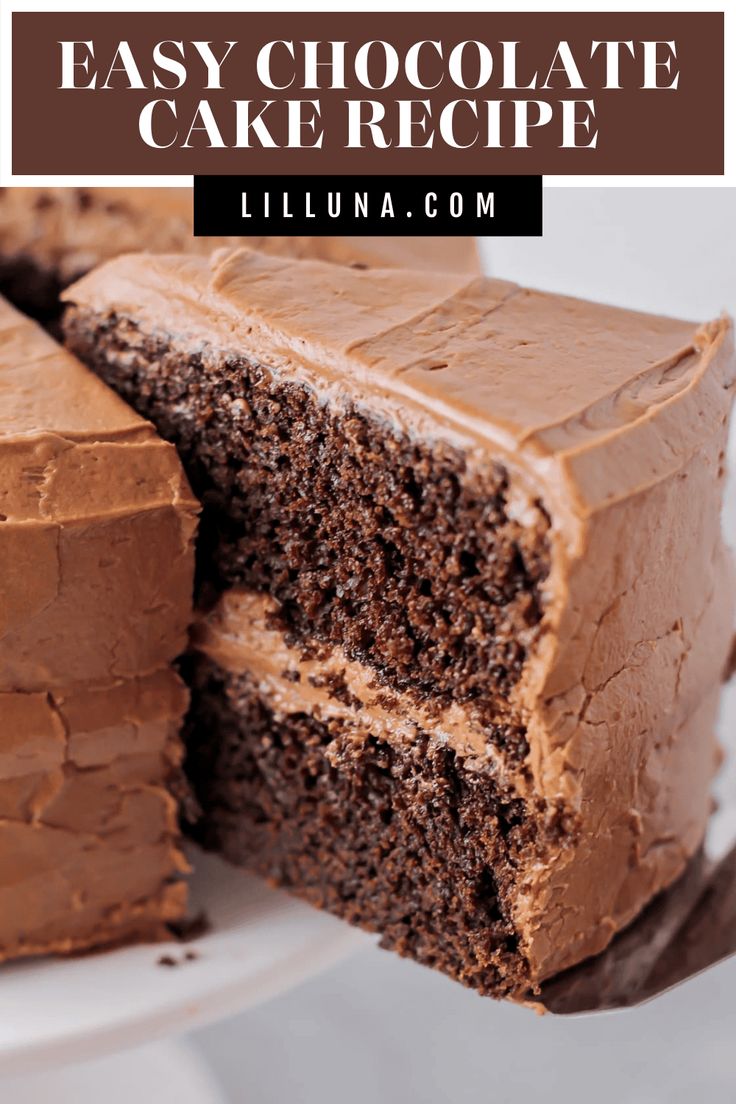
{"type": "Point", "coordinates": [55, 1014]}
{"type": "Point", "coordinates": [63, 1023]}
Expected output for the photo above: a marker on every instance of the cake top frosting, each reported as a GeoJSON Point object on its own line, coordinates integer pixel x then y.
{"type": "Point", "coordinates": [541, 376]}
{"type": "Point", "coordinates": [97, 523]}
{"type": "Point", "coordinates": [62, 431]}
{"type": "Point", "coordinates": [43, 388]}
{"type": "Point", "coordinates": [72, 229]}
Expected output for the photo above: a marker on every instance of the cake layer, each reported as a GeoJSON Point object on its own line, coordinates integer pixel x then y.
{"type": "Point", "coordinates": [89, 850]}
{"type": "Point", "coordinates": [52, 236]}
{"type": "Point", "coordinates": [491, 498]}
{"type": "Point", "coordinates": [594, 402]}
{"type": "Point", "coordinates": [242, 634]}
{"type": "Point", "coordinates": [96, 524]}
{"type": "Point", "coordinates": [657, 791]}
{"type": "Point", "coordinates": [405, 840]}
{"type": "Point", "coordinates": [396, 837]}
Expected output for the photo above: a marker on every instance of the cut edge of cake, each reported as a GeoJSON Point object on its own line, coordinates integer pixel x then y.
{"type": "Point", "coordinates": [431, 449]}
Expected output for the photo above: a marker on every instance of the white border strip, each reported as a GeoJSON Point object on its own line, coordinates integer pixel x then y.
{"type": "Point", "coordinates": [7, 7]}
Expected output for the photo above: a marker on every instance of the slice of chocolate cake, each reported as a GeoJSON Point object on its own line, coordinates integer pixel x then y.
{"type": "Point", "coordinates": [96, 568]}
{"type": "Point", "coordinates": [52, 236]}
{"type": "Point", "coordinates": [460, 682]}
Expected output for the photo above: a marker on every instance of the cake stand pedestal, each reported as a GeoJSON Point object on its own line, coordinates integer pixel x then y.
{"type": "Point", "coordinates": [58, 1013]}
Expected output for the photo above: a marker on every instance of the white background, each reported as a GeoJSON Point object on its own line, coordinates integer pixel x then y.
{"type": "Point", "coordinates": [382, 1029]}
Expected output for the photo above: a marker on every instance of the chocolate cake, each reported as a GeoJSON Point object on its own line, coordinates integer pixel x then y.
{"type": "Point", "coordinates": [52, 236]}
{"type": "Point", "coordinates": [96, 568]}
{"type": "Point", "coordinates": [465, 600]}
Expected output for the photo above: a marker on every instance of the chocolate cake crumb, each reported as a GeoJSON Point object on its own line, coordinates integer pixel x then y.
{"type": "Point", "coordinates": [450, 505]}
{"type": "Point", "coordinates": [418, 571]}
{"type": "Point", "coordinates": [191, 928]}
{"type": "Point", "coordinates": [409, 561]}
{"type": "Point", "coordinates": [409, 843]}
{"type": "Point", "coordinates": [171, 961]}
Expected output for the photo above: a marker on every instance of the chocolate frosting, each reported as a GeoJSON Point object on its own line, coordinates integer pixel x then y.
{"type": "Point", "coordinates": [69, 230]}
{"type": "Point", "coordinates": [239, 635]}
{"type": "Point", "coordinates": [615, 421]}
{"type": "Point", "coordinates": [88, 829]}
{"type": "Point", "coordinates": [689, 928]}
{"type": "Point", "coordinates": [97, 524]}
{"type": "Point", "coordinates": [96, 571]}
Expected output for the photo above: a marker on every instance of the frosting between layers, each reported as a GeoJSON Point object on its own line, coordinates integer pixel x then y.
{"type": "Point", "coordinates": [238, 635]}
{"type": "Point", "coordinates": [88, 829]}
{"type": "Point", "coordinates": [641, 790]}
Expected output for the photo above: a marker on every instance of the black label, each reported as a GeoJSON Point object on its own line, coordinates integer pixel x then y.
{"type": "Point", "coordinates": [368, 205]}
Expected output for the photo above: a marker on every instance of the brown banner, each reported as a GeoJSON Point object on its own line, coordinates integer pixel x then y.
{"type": "Point", "coordinates": [367, 93]}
